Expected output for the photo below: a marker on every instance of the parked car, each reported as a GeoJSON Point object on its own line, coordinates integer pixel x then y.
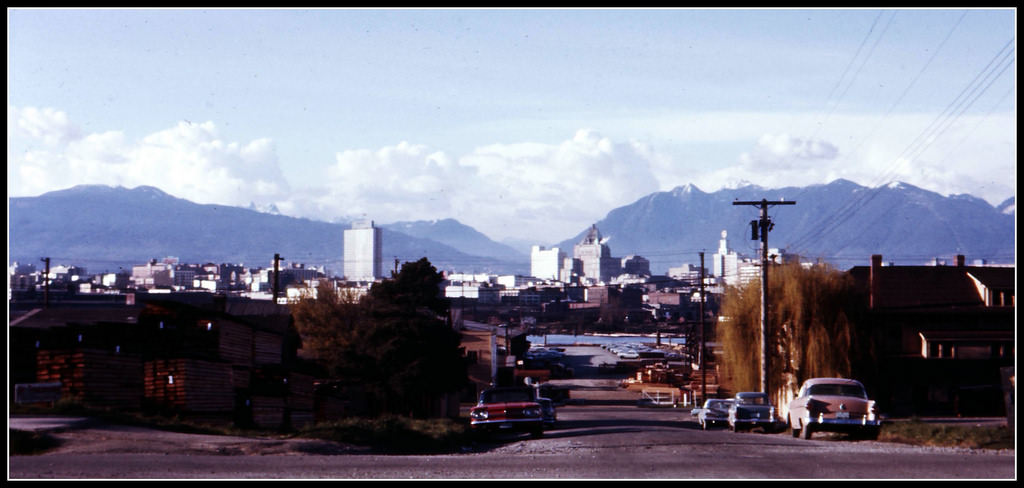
{"type": "Point", "coordinates": [834, 405]}
{"type": "Point", "coordinates": [507, 409]}
{"type": "Point", "coordinates": [715, 411]}
{"type": "Point", "coordinates": [548, 414]}
{"type": "Point", "coordinates": [628, 354]}
{"type": "Point", "coordinates": [751, 409]}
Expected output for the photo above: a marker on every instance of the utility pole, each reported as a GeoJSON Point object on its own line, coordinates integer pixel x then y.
{"type": "Point", "coordinates": [276, 287]}
{"type": "Point", "coordinates": [703, 375]}
{"type": "Point", "coordinates": [46, 283]}
{"type": "Point", "coordinates": [763, 226]}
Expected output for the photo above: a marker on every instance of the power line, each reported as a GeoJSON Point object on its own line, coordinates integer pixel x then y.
{"type": "Point", "coordinates": [930, 134]}
{"type": "Point", "coordinates": [859, 69]}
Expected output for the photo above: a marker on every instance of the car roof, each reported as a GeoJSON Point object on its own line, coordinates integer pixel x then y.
{"type": "Point", "coordinates": [841, 381]}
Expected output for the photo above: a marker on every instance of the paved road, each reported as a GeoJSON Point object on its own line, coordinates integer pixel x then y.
{"type": "Point", "coordinates": [601, 435]}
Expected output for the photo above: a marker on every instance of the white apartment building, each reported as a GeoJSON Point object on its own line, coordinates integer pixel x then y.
{"type": "Point", "coordinates": [546, 264]}
{"type": "Point", "coordinates": [363, 255]}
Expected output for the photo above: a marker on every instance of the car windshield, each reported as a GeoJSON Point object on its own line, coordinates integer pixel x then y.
{"type": "Point", "coordinates": [506, 396]}
{"type": "Point", "coordinates": [837, 389]}
{"type": "Point", "coordinates": [720, 404]}
{"type": "Point", "coordinates": [752, 400]}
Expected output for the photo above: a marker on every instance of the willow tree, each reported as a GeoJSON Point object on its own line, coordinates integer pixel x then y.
{"type": "Point", "coordinates": [813, 328]}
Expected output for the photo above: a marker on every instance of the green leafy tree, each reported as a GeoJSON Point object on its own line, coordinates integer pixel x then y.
{"type": "Point", "coordinates": [395, 342]}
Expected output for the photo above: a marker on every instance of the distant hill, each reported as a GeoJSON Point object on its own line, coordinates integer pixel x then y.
{"type": "Point", "coordinates": [840, 222]}
{"type": "Point", "coordinates": [105, 228]}
{"type": "Point", "coordinates": [457, 235]}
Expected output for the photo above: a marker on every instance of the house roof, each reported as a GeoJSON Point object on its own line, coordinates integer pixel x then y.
{"type": "Point", "coordinates": [929, 286]}
{"type": "Point", "coordinates": [995, 278]}
{"type": "Point", "coordinates": [45, 318]}
{"type": "Point", "coordinates": [967, 335]}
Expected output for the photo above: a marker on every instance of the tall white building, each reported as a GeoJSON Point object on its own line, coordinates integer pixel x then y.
{"type": "Point", "coordinates": [546, 264]}
{"type": "Point", "coordinates": [726, 263]}
{"type": "Point", "coordinates": [363, 258]}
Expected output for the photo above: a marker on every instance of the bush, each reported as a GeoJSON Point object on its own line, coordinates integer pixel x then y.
{"type": "Point", "coordinates": [25, 442]}
{"type": "Point", "coordinates": [393, 433]}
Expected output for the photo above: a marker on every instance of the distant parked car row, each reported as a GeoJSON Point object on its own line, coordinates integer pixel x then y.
{"type": "Point", "coordinates": [635, 350]}
{"type": "Point", "coordinates": [822, 405]}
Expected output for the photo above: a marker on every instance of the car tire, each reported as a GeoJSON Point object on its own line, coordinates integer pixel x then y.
{"type": "Point", "coordinates": [807, 432]}
{"type": "Point", "coordinates": [793, 429]}
{"type": "Point", "coordinates": [537, 433]}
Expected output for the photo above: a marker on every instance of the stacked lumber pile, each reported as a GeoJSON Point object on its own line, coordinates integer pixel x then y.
{"type": "Point", "coordinates": [268, 411]}
{"type": "Point", "coordinates": [189, 385]}
{"type": "Point", "coordinates": [300, 399]}
{"type": "Point", "coordinates": [711, 384]}
{"type": "Point", "coordinates": [234, 342]}
{"type": "Point", "coordinates": [240, 376]}
{"type": "Point", "coordinates": [93, 377]}
{"type": "Point", "coordinates": [266, 347]}
{"type": "Point", "coordinates": [268, 388]}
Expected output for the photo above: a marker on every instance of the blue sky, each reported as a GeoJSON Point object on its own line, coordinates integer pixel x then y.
{"type": "Point", "coordinates": [526, 124]}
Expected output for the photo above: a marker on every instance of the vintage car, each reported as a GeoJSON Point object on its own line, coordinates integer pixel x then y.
{"type": "Point", "coordinates": [751, 409]}
{"type": "Point", "coordinates": [833, 405]}
{"type": "Point", "coordinates": [714, 411]}
{"type": "Point", "coordinates": [548, 413]}
{"type": "Point", "coordinates": [507, 409]}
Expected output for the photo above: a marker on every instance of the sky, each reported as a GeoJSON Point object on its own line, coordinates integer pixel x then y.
{"type": "Point", "coordinates": [526, 124]}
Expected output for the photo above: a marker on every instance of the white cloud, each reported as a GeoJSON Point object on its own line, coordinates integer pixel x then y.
{"type": "Point", "coordinates": [47, 126]}
{"type": "Point", "coordinates": [190, 161]}
{"type": "Point", "coordinates": [543, 192]}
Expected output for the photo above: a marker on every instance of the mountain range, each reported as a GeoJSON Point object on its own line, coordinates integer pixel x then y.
{"type": "Point", "coordinates": [105, 228]}
{"type": "Point", "coordinates": [841, 222]}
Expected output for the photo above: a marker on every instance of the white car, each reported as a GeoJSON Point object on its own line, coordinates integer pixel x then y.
{"type": "Point", "coordinates": [628, 354]}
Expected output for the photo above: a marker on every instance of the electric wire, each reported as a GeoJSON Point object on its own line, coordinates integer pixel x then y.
{"type": "Point", "coordinates": [943, 122]}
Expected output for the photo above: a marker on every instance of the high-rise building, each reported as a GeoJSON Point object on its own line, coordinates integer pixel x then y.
{"type": "Point", "coordinates": [363, 257]}
{"type": "Point", "coordinates": [726, 262]}
{"type": "Point", "coordinates": [546, 264]}
{"type": "Point", "coordinates": [594, 254]}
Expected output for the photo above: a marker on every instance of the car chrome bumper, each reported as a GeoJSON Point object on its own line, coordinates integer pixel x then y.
{"type": "Point", "coordinates": [505, 423]}
{"type": "Point", "coordinates": [863, 422]}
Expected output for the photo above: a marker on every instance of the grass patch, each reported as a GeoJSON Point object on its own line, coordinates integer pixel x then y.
{"type": "Point", "coordinates": [25, 442]}
{"type": "Point", "coordinates": [944, 435]}
{"type": "Point", "coordinates": [391, 434]}
{"type": "Point", "coordinates": [394, 434]}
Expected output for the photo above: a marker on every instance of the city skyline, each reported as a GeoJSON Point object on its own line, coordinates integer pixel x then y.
{"type": "Point", "coordinates": [495, 116]}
